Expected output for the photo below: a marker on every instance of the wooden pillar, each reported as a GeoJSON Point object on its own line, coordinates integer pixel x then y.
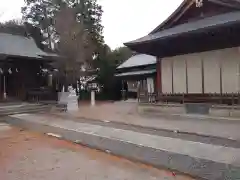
{"type": "Point", "coordinates": [186, 69]}
{"type": "Point", "coordinates": [172, 76]}
{"type": "Point", "coordinates": [238, 78]}
{"type": "Point", "coordinates": [220, 69]}
{"type": "Point", "coordinates": [203, 82]}
{"type": "Point", "coordinates": [159, 76]}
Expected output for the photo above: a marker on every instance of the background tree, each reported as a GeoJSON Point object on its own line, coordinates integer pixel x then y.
{"type": "Point", "coordinates": [80, 34]}
{"type": "Point", "coordinates": [121, 54]}
{"type": "Point", "coordinates": [40, 13]}
{"type": "Point", "coordinates": [73, 25]}
{"type": "Point", "coordinates": [13, 27]}
{"type": "Point", "coordinates": [107, 62]}
{"type": "Point", "coordinates": [74, 42]}
{"type": "Point", "coordinates": [90, 12]}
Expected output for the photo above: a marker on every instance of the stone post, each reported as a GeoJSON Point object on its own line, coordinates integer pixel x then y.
{"type": "Point", "coordinates": [93, 98]}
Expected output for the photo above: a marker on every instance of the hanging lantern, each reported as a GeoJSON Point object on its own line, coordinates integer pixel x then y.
{"type": "Point", "coordinates": [10, 71]}
{"type": "Point", "coordinates": [199, 3]}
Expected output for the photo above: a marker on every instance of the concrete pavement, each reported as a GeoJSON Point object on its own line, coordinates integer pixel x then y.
{"type": "Point", "coordinates": [126, 113]}
{"type": "Point", "coordinates": [150, 130]}
{"type": "Point", "coordinates": [213, 162]}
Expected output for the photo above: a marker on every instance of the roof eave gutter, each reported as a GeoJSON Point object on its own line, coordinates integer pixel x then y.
{"type": "Point", "coordinates": [129, 44]}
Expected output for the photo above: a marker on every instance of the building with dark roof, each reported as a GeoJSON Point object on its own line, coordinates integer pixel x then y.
{"type": "Point", "coordinates": [197, 50]}
{"type": "Point", "coordinates": [23, 67]}
{"type": "Point", "coordinates": [138, 74]}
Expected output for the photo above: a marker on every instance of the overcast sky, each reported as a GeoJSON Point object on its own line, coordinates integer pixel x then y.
{"type": "Point", "coordinates": [123, 20]}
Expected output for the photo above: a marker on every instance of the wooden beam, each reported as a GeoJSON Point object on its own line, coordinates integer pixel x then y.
{"type": "Point", "coordinates": [203, 81]}
{"type": "Point", "coordinates": [221, 84]}
{"type": "Point", "coordinates": [186, 67]}
{"type": "Point", "coordinates": [159, 75]}
{"type": "Point", "coordinates": [213, 1]}
{"type": "Point", "coordinates": [182, 12]}
{"type": "Point", "coordinates": [226, 4]}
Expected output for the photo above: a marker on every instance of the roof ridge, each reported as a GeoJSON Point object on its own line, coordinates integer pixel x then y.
{"type": "Point", "coordinates": [187, 4]}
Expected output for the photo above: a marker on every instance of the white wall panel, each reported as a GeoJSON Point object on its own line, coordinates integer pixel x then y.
{"type": "Point", "coordinates": [179, 74]}
{"type": "Point", "coordinates": [166, 75]}
{"type": "Point", "coordinates": [211, 71]}
{"type": "Point", "coordinates": [230, 59]}
{"type": "Point", "coordinates": [230, 64]}
{"type": "Point", "coordinates": [194, 73]}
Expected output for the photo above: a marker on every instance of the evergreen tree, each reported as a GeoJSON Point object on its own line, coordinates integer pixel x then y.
{"type": "Point", "coordinates": [40, 13]}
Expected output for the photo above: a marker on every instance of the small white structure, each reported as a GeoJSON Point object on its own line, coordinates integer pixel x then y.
{"type": "Point", "coordinates": [72, 100]}
{"type": "Point", "coordinates": [93, 98]}
{"type": "Point", "coordinates": [69, 98]}
{"type": "Point", "coordinates": [93, 88]}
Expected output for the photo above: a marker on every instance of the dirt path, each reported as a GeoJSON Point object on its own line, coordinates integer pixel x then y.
{"type": "Point", "coordinates": [30, 156]}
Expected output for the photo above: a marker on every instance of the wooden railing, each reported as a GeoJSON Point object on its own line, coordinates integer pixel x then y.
{"type": "Point", "coordinates": [41, 94]}
{"type": "Point", "coordinates": [212, 98]}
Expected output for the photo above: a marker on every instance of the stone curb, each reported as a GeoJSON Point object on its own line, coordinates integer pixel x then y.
{"type": "Point", "coordinates": [201, 168]}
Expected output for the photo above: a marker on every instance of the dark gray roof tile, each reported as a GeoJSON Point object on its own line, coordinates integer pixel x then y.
{"type": "Point", "coordinates": [138, 60]}
{"type": "Point", "coordinates": [16, 45]}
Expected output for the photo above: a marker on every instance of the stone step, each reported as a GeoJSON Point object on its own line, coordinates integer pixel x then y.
{"type": "Point", "coordinates": [200, 160]}
{"type": "Point", "coordinates": [24, 109]}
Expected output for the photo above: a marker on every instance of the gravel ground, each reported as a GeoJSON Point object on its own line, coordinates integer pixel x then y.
{"type": "Point", "coordinates": [29, 156]}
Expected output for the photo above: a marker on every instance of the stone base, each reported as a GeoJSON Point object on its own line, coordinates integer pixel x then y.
{"type": "Point", "coordinates": [72, 103]}
{"type": "Point", "coordinates": [180, 109]}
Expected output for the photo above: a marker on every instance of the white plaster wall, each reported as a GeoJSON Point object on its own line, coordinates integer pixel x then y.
{"type": "Point", "coordinates": [179, 75]}
{"type": "Point", "coordinates": [194, 73]}
{"type": "Point", "coordinates": [211, 65]}
{"type": "Point", "coordinates": [150, 85]}
{"type": "Point", "coordinates": [166, 75]}
{"type": "Point", "coordinates": [230, 69]}
{"type": "Point", "coordinates": [211, 62]}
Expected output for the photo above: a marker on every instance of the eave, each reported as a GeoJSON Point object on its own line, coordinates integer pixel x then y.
{"type": "Point", "coordinates": [207, 34]}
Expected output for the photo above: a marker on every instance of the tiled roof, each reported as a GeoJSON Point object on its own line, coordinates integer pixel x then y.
{"type": "Point", "coordinates": [138, 60]}
{"type": "Point", "coordinates": [16, 45]}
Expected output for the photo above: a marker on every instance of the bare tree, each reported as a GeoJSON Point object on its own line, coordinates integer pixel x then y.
{"type": "Point", "coordinates": [74, 42]}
